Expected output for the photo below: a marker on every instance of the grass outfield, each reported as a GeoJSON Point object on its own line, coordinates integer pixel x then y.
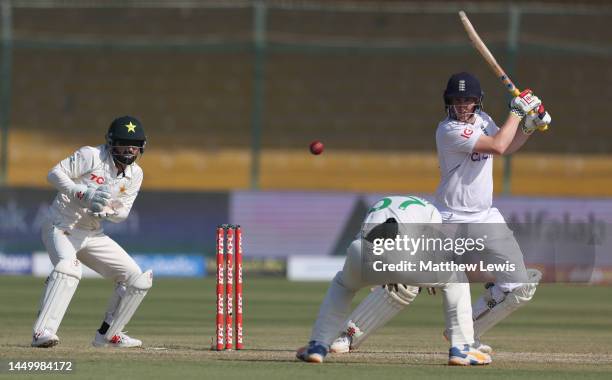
{"type": "Point", "coordinates": [566, 332]}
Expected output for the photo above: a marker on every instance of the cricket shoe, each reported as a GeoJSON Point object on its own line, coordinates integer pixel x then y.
{"type": "Point", "coordinates": [121, 340]}
{"type": "Point", "coordinates": [467, 355]}
{"type": "Point", "coordinates": [45, 340]}
{"type": "Point", "coordinates": [342, 344]}
{"type": "Point", "coordinates": [315, 352]}
{"type": "Point", "coordinates": [484, 348]}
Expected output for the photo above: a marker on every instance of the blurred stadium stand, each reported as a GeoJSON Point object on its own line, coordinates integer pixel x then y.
{"type": "Point", "coordinates": [365, 78]}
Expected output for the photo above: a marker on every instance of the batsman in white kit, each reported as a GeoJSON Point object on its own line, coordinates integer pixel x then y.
{"type": "Point", "coordinates": [94, 184]}
{"type": "Point", "coordinates": [393, 212]}
{"type": "Point", "coordinates": [466, 141]}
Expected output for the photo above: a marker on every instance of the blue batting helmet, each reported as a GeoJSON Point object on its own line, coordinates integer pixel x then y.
{"type": "Point", "coordinates": [463, 85]}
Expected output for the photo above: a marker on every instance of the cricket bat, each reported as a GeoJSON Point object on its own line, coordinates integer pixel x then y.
{"type": "Point", "coordinates": [490, 59]}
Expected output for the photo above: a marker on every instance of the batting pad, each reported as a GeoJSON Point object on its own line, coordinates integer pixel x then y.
{"type": "Point", "coordinates": [60, 287]}
{"type": "Point", "coordinates": [514, 299]}
{"type": "Point", "coordinates": [136, 291]}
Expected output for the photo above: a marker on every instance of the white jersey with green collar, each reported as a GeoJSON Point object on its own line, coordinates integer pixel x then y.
{"type": "Point", "coordinates": [404, 209]}
{"type": "Point", "coordinates": [91, 166]}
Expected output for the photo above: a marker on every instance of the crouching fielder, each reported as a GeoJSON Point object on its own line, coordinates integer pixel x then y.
{"type": "Point", "coordinates": [94, 184]}
{"type": "Point", "coordinates": [382, 221]}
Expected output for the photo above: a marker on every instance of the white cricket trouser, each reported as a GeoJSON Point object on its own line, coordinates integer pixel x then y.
{"type": "Point", "coordinates": [335, 308]}
{"type": "Point", "coordinates": [506, 249]}
{"type": "Point", "coordinates": [96, 250]}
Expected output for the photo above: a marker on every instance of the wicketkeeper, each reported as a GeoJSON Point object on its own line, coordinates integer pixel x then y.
{"type": "Point", "coordinates": [94, 184]}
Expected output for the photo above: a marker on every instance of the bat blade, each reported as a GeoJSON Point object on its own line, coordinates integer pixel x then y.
{"type": "Point", "coordinates": [480, 46]}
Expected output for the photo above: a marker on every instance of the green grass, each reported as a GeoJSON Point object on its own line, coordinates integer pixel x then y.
{"type": "Point", "coordinates": [566, 332]}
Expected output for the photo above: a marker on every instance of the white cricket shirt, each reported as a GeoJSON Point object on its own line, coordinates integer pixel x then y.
{"type": "Point", "coordinates": [466, 182]}
{"type": "Point", "coordinates": [92, 166]}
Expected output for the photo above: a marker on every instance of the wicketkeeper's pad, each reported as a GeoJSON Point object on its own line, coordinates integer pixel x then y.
{"type": "Point", "coordinates": [60, 287]}
{"type": "Point", "coordinates": [137, 288]}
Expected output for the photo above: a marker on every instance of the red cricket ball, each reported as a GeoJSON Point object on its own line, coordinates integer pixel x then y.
{"type": "Point", "coordinates": [316, 147]}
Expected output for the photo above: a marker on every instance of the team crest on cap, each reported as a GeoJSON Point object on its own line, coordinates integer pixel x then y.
{"type": "Point", "coordinates": [131, 127]}
{"type": "Point", "coordinates": [462, 85]}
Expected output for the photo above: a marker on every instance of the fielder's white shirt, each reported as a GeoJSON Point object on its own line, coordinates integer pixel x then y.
{"type": "Point", "coordinates": [404, 209]}
{"type": "Point", "coordinates": [466, 176]}
{"type": "Point", "coordinates": [93, 166]}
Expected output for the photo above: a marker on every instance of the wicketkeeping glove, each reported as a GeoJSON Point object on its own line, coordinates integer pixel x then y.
{"type": "Point", "coordinates": [101, 205]}
{"type": "Point", "coordinates": [88, 195]}
{"type": "Point", "coordinates": [104, 213]}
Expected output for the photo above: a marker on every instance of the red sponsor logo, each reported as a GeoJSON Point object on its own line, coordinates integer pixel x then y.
{"type": "Point", "coordinates": [220, 274]}
{"type": "Point", "coordinates": [467, 133]}
{"type": "Point", "coordinates": [239, 332]}
{"type": "Point", "coordinates": [97, 179]}
{"type": "Point", "coordinates": [220, 307]}
{"type": "Point", "coordinates": [220, 244]}
{"type": "Point", "coordinates": [526, 95]}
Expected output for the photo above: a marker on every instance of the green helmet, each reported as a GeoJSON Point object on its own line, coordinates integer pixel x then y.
{"type": "Point", "coordinates": [125, 131]}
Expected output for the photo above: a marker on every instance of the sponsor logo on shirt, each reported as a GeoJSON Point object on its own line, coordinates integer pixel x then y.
{"type": "Point", "coordinates": [478, 156]}
{"type": "Point", "coordinates": [467, 132]}
{"type": "Point", "coordinates": [97, 179]}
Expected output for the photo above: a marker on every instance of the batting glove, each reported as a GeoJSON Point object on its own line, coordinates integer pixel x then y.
{"type": "Point", "coordinates": [536, 120]}
{"type": "Point", "coordinates": [524, 103]}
